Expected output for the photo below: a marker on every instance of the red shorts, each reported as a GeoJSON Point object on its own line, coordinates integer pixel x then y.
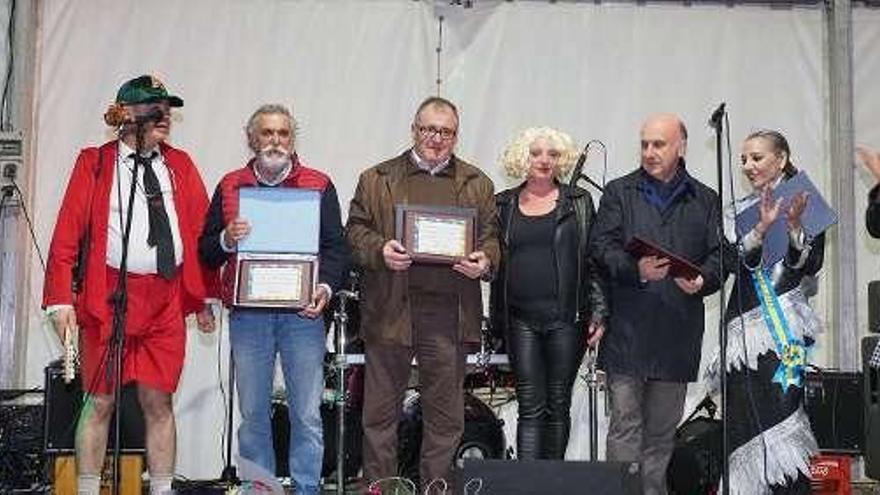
{"type": "Point", "coordinates": [155, 337]}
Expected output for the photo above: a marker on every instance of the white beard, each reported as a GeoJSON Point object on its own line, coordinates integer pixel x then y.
{"type": "Point", "coordinates": [271, 165]}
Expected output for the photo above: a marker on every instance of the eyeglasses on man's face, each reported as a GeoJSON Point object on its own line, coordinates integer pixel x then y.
{"type": "Point", "coordinates": [429, 131]}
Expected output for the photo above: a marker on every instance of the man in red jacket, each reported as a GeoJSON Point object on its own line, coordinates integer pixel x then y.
{"type": "Point", "coordinates": [257, 335]}
{"type": "Point", "coordinates": [165, 279]}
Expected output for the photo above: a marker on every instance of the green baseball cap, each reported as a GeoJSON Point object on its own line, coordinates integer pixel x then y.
{"type": "Point", "coordinates": [145, 89]}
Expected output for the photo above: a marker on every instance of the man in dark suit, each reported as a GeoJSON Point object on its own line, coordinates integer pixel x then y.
{"type": "Point", "coordinates": [653, 342]}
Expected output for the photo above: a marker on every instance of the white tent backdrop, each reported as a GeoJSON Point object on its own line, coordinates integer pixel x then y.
{"type": "Point", "coordinates": [355, 70]}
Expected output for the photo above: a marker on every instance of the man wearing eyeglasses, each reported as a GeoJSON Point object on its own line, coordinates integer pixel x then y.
{"type": "Point", "coordinates": [409, 308]}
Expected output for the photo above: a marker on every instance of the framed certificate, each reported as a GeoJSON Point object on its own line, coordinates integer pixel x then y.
{"type": "Point", "coordinates": [275, 280]}
{"type": "Point", "coordinates": [436, 234]}
{"type": "Point", "coordinates": [277, 262]}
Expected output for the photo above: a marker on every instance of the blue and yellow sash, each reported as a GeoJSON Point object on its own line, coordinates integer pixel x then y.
{"type": "Point", "coordinates": [792, 352]}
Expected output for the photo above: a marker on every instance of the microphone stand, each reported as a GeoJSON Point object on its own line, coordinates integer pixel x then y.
{"type": "Point", "coordinates": [717, 123]}
{"type": "Point", "coordinates": [229, 476]}
{"type": "Point", "coordinates": [341, 362]}
{"type": "Point", "coordinates": [593, 403]}
{"type": "Point", "coordinates": [592, 377]}
{"type": "Point", "coordinates": [120, 299]}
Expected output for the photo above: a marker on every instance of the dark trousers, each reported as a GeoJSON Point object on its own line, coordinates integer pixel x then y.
{"type": "Point", "coordinates": [545, 359]}
{"type": "Point", "coordinates": [441, 361]}
{"type": "Point", "coordinates": [644, 414]}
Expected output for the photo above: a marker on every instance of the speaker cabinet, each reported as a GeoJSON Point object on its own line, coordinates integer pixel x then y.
{"type": "Point", "coordinates": [64, 405]}
{"type": "Point", "coordinates": [21, 443]}
{"type": "Point", "coordinates": [871, 408]}
{"type": "Point", "coordinates": [874, 306]}
{"type": "Point", "coordinates": [829, 397]}
{"type": "Point", "coordinates": [497, 477]}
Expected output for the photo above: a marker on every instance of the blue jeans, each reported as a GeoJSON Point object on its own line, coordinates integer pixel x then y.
{"type": "Point", "coordinates": [256, 337]}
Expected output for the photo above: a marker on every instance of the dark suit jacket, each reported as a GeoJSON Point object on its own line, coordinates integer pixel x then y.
{"type": "Point", "coordinates": [656, 329]}
{"type": "Point", "coordinates": [872, 215]}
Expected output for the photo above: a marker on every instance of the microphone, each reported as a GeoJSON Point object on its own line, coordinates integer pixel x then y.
{"type": "Point", "coordinates": [578, 174]}
{"type": "Point", "coordinates": [579, 166]}
{"type": "Point", "coordinates": [154, 115]}
{"type": "Point", "coordinates": [117, 115]}
{"type": "Point", "coordinates": [715, 119]}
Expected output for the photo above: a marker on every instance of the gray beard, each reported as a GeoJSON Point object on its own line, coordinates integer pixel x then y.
{"type": "Point", "coordinates": [271, 167]}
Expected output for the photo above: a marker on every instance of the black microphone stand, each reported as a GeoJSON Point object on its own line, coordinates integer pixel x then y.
{"type": "Point", "coordinates": [717, 123]}
{"type": "Point", "coordinates": [120, 310]}
{"type": "Point", "coordinates": [229, 476]}
{"type": "Point", "coordinates": [594, 383]}
{"type": "Point", "coordinates": [579, 167]}
{"type": "Point", "coordinates": [340, 317]}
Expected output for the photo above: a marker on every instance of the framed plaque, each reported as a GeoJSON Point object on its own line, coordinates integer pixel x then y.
{"type": "Point", "coordinates": [277, 262]}
{"type": "Point", "coordinates": [275, 281]}
{"type": "Point", "coordinates": [436, 234]}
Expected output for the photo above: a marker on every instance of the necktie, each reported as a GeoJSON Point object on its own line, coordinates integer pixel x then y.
{"type": "Point", "coordinates": [160, 228]}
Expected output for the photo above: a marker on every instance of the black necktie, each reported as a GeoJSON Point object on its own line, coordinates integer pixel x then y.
{"type": "Point", "coordinates": [160, 227]}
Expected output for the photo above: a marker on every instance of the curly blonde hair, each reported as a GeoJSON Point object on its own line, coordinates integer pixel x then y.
{"type": "Point", "coordinates": [515, 158]}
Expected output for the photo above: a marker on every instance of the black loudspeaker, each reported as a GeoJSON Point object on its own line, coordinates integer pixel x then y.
{"type": "Point", "coordinates": [874, 306]}
{"type": "Point", "coordinates": [497, 477]}
{"type": "Point", "coordinates": [871, 409]}
{"type": "Point", "coordinates": [64, 405]}
{"type": "Point", "coordinates": [696, 463]}
{"type": "Point", "coordinates": [829, 398]}
{"type": "Point", "coordinates": [21, 440]}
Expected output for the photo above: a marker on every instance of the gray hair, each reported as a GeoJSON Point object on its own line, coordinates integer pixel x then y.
{"type": "Point", "coordinates": [268, 109]}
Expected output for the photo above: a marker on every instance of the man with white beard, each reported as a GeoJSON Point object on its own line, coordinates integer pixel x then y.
{"type": "Point", "coordinates": [258, 334]}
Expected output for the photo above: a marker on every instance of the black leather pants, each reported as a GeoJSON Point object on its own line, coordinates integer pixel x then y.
{"type": "Point", "coordinates": [545, 359]}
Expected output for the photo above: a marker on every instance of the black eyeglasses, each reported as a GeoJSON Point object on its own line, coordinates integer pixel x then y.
{"type": "Point", "coordinates": [429, 131]}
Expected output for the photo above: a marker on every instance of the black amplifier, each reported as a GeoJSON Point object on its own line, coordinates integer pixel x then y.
{"type": "Point", "coordinates": [526, 477]}
{"type": "Point", "coordinates": [64, 406]}
{"type": "Point", "coordinates": [833, 401]}
{"type": "Point", "coordinates": [22, 465]}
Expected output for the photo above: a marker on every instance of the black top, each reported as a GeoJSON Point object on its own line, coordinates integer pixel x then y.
{"type": "Point", "coordinates": [532, 270]}
{"type": "Point", "coordinates": [580, 295]}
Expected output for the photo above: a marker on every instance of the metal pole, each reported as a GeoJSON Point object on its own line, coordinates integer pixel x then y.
{"type": "Point", "coordinates": [341, 324]}
{"type": "Point", "coordinates": [840, 137]}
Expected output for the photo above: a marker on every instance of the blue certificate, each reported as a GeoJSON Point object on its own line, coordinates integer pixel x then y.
{"type": "Point", "coordinates": [816, 218]}
{"type": "Point", "coordinates": [283, 220]}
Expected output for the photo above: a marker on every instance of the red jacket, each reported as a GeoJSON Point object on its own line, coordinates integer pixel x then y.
{"type": "Point", "coordinates": [87, 203]}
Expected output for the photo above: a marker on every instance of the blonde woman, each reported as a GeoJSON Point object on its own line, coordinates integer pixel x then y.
{"type": "Point", "coordinates": [547, 299]}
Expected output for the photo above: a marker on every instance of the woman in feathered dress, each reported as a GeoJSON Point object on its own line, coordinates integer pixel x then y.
{"type": "Point", "coordinates": [770, 328]}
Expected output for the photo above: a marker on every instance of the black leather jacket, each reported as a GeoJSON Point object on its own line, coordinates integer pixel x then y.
{"type": "Point", "coordinates": [580, 290]}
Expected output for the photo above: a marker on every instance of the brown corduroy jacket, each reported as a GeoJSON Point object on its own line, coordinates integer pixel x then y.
{"type": "Point", "coordinates": [385, 312]}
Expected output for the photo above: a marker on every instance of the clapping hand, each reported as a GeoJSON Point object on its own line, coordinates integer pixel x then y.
{"type": "Point", "coordinates": [871, 160]}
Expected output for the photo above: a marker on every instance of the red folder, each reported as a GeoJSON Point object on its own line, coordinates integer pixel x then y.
{"type": "Point", "coordinates": [678, 266]}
